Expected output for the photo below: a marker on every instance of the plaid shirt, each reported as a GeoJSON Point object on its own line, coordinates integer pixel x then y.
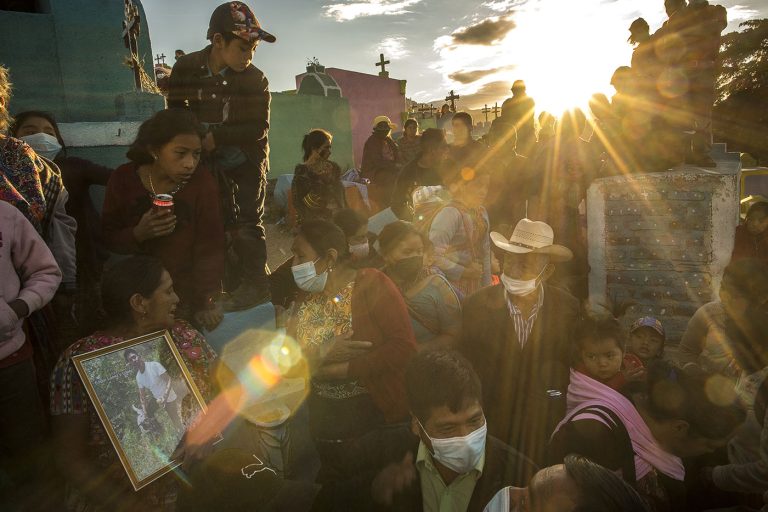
{"type": "Point", "coordinates": [524, 327]}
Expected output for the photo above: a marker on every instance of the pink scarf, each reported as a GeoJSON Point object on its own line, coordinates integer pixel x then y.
{"type": "Point", "coordinates": [584, 392]}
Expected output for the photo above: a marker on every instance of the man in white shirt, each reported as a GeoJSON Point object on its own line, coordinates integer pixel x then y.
{"type": "Point", "coordinates": [152, 376]}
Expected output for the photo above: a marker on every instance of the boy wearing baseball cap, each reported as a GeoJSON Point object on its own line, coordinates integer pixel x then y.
{"type": "Point", "coordinates": [231, 97]}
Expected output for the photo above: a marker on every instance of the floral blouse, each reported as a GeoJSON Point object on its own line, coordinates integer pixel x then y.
{"type": "Point", "coordinates": [318, 320]}
{"type": "Point", "coordinates": [69, 397]}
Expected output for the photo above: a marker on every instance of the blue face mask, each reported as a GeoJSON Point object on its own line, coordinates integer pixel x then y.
{"type": "Point", "coordinates": [306, 277]}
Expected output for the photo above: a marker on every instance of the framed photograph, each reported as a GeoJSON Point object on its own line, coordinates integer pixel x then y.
{"type": "Point", "coordinates": [145, 398]}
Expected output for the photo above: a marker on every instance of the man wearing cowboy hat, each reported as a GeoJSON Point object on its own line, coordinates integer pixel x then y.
{"type": "Point", "coordinates": [517, 335]}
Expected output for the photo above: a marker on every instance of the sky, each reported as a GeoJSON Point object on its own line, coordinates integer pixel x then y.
{"type": "Point", "coordinates": [565, 50]}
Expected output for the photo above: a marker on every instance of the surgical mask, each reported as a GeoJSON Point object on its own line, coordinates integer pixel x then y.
{"type": "Point", "coordinates": [307, 279]}
{"type": "Point", "coordinates": [408, 268]}
{"type": "Point", "coordinates": [520, 288]}
{"type": "Point", "coordinates": [359, 251]}
{"type": "Point", "coordinates": [459, 454]}
{"type": "Point", "coordinates": [44, 144]}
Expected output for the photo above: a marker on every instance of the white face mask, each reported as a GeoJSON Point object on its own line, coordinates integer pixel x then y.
{"type": "Point", "coordinates": [306, 278]}
{"type": "Point", "coordinates": [459, 454]}
{"type": "Point", "coordinates": [520, 288]}
{"type": "Point", "coordinates": [44, 145]}
{"type": "Point", "coordinates": [359, 251]}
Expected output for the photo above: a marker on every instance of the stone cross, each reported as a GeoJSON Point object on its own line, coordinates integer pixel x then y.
{"type": "Point", "coordinates": [160, 59]}
{"type": "Point", "coordinates": [383, 63]}
{"type": "Point", "coordinates": [431, 109]}
{"type": "Point", "coordinates": [452, 98]}
{"type": "Point", "coordinates": [486, 111]}
{"type": "Point", "coordinates": [496, 110]}
{"type": "Point", "coordinates": [131, 29]}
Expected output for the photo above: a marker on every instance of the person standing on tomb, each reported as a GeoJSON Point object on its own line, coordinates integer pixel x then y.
{"type": "Point", "coordinates": [424, 171]}
{"type": "Point", "coordinates": [521, 114]}
{"type": "Point", "coordinates": [317, 189]}
{"type": "Point", "coordinates": [702, 37]}
{"type": "Point", "coordinates": [408, 144]}
{"type": "Point", "coordinates": [227, 93]}
{"type": "Point", "coordinates": [380, 161]}
{"type": "Point", "coordinates": [517, 335]}
{"type": "Point", "coordinates": [645, 64]}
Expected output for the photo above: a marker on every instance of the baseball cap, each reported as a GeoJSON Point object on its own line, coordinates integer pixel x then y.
{"type": "Point", "coordinates": [238, 19]}
{"type": "Point", "coordinates": [649, 321]}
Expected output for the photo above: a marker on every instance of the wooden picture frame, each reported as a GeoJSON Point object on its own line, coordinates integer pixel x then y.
{"type": "Point", "coordinates": [144, 429]}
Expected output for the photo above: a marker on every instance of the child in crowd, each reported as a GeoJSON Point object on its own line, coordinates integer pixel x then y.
{"type": "Point", "coordinates": [230, 95]}
{"type": "Point", "coordinates": [752, 236]}
{"type": "Point", "coordinates": [600, 345]}
{"type": "Point", "coordinates": [646, 340]}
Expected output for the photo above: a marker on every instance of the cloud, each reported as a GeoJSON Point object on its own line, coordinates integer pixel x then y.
{"type": "Point", "coordinates": [467, 77]}
{"type": "Point", "coordinates": [487, 32]}
{"type": "Point", "coordinates": [348, 11]}
{"type": "Point", "coordinates": [741, 13]}
{"type": "Point", "coordinates": [489, 93]}
{"type": "Point", "coordinates": [502, 5]}
{"type": "Point", "coordinates": [393, 47]}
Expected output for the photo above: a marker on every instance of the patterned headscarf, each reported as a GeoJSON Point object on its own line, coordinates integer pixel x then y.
{"type": "Point", "coordinates": [20, 180]}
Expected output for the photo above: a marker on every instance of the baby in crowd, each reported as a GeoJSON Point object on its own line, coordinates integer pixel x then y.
{"type": "Point", "coordinates": [611, 358]}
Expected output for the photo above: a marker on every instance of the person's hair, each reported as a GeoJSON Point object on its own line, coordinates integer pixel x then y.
{"type": "Point", "coordinates": [315, 140]}
{"type": "Point", "coordinates": [124, 279]}
{"type": "Point", "coordinates": [758, 207]}
{"type": "Point", "coordinates": [127, 352]}
{"type": "Point", "coordinates": [410, 122]}
{"type": "Point", "coordinates": [20, 118]}
{"type": "Point", "coordinates": [350, 221]}
{"type": "Point", "coordinates": [179, 51]}
{"type": "Point", "coordinates": [431, 138]}
{"type": "Point", "coordinates": [5, 96]}
{"type": "Point", "coordinates": [711, 410]}
{"type": "Point", "coordinates": [227, 36]}
{"type": "Point", "coordinates": [394, 233]}
{"type": "Point", "coordinates": [518, 86]}
{"type": "Point", "coordinates": [436, 378]}
{"type": "Point", "coordinates": [323, 235]}
{"type": "Point", "coordinates": [465, 118]}
{"type": "Point", "coordinates": [638, 23]}
{"type": "Point", "coordinates": [747, 278]}
{"type": "Point", "coordinates": [600, 489]}
{"type": "Point", "coordinates": [598, 328]}
{"type": "Point", "coordinates": [161, 129]}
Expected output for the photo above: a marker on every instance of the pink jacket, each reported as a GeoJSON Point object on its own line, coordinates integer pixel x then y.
{"type": "Point", "coordinates": [28, 272]}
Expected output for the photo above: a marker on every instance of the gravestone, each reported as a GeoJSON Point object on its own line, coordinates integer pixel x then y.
{"type": "Point", "coordinates": [69, 57]}
{"type": "Point", "coordinates": [661, 241]}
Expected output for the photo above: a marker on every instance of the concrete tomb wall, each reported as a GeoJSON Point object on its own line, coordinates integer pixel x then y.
{"type": "Point", "coordinates": [662, 241]}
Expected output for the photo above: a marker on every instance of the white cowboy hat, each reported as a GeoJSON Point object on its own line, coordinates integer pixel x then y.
{"type": "Point", "coordinates": [532, 237]}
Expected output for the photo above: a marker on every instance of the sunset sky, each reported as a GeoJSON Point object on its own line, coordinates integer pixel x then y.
{"type": "Point", "coordinates": [565, 50]}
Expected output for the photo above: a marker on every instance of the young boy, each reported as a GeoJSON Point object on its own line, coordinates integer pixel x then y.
{"type": "Point", "coordinates": [646, 339]}
{"type": "Point", "coordinates": [752, 236]}
{"type": "Point", "coordinates": [231, 97]}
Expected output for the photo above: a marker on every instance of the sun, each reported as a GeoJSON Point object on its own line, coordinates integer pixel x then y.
{"type": "Point", "coordinates": [566, 51]}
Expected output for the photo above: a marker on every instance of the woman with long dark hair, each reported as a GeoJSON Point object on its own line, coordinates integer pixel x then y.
{"type": "Point", "coordinates": [138, 298]}
{"type": "Point", "coordinates": [317, 189]}
{"type": "Point", "coordinates": [187, 235]}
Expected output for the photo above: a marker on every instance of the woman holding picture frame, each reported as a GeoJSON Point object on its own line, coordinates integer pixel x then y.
{"type": "Point", "coordinates": [138, 299]}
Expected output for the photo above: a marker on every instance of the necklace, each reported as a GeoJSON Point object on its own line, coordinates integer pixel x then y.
{"type": "Point", "coordinates": [152, 186]}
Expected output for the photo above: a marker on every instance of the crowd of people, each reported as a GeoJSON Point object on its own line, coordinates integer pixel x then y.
{"type": "Point", "coordinates": [451, 355]}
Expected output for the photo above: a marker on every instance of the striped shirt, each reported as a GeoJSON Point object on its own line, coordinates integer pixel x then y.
{"type": "Point", "coordinates": [524, 327]}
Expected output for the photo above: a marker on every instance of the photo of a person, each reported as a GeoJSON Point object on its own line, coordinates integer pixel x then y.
{"type": "Point", "coordinates": [153, 378]}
